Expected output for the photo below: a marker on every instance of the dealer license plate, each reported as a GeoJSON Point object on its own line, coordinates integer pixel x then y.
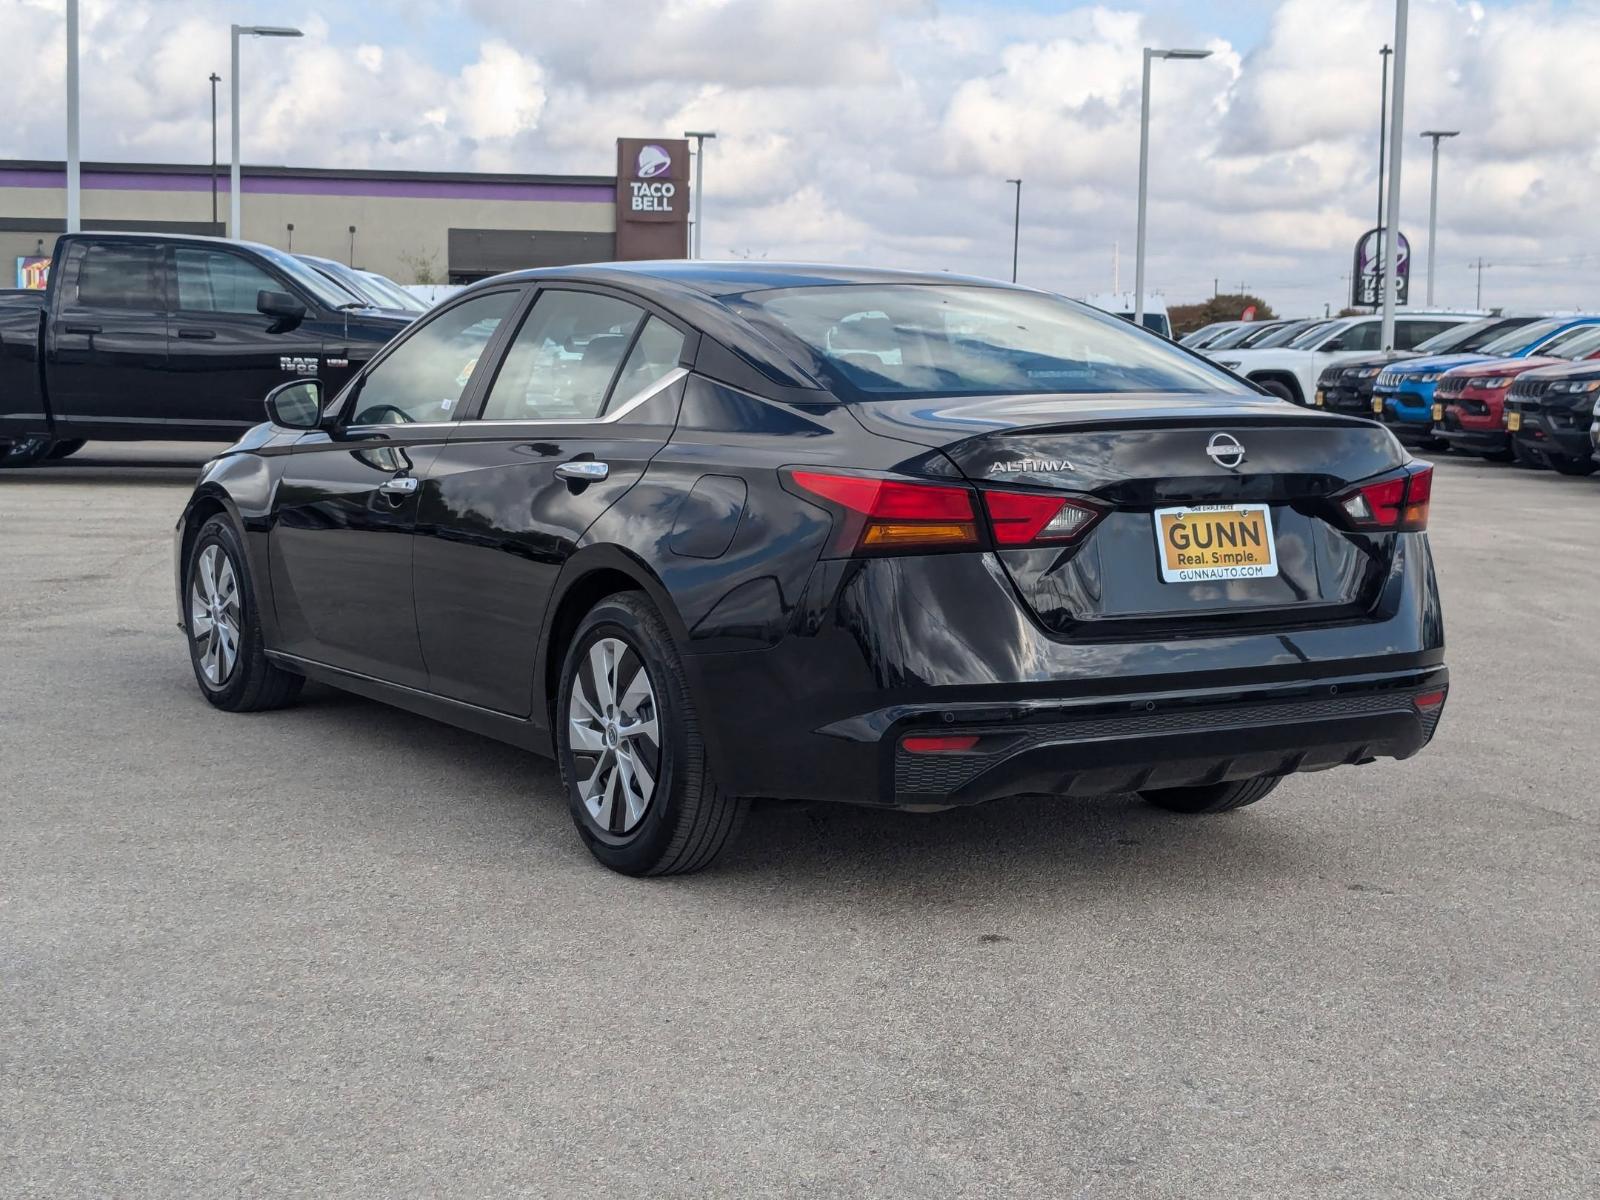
{"type": "Point", "coordinates": [1514, 421]}
{"type": "Point", "coordinates": [1438, 412]}
{"type": "Point", "coordinates": [1320, 401]}
{"type": "Point", "coordinates": [1377, 405]}
{"type": "Point", "coordinates": [1215, 541]}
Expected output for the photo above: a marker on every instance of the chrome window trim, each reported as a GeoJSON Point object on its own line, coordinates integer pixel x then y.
{"type": "Point", "coordinates": [659, 386]}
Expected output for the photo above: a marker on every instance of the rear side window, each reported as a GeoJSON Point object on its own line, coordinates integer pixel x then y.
{"type": "Point", "coordinates": [120, 275]}
{"type": "Point", "coordinates": [564, 358]}
{"type": "Point", "coordinates": [1408, 335]}
{"type": "Point", "coordinates": [654, 355]}
{"type": "Point", "coordinates": [216, 281]}
{"type": "Point", "coordinates": [423, 378]}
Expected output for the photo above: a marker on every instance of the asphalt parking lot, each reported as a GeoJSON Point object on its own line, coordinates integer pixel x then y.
{"type": "Point", "coordinates": [340, 950]}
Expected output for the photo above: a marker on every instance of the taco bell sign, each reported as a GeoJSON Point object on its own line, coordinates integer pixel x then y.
{"type": "Point", "coordinates": [1369, 277]}
{"type": "Point", "coordinates": [652, 198]}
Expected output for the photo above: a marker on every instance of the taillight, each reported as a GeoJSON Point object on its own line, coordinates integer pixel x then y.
{"type": "Point", "coordinates": [950, 744]}
{"type": "Point", "coordinates": [1024, 518]}
{"type": "Point", "coordinates": [1398, 504]}
{"type": "Point", "coordinates": [889, 515]}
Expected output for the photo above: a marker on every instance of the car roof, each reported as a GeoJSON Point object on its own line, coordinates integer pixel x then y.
{"type": "Point", "coordinates": [730, 278]}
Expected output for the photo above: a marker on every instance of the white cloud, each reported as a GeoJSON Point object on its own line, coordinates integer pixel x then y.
{"type": "Point", "coordinates": [883, 130]}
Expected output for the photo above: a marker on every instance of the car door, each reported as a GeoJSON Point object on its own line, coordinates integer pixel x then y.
{"type": "Point", "coordinates": [340, 542]}
{"type": "Point", "coordinates": [587, 394]}
{"type": "Point", "coordinates": [105, 365]}
{"type": "Point", "coordinates": [224, 356]}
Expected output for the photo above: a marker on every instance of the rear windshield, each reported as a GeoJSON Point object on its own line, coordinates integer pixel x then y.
{"type": "Point", "coordinates": [895, 340]}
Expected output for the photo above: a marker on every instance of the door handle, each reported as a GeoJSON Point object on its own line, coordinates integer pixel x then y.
{"type": "Point", "coordinates": [583, 471]}
{"type": "Point", "coordinates": [198, 335]}
{"type": "Point", "coordinates": [400, 485]}
{"type": "Point", "coordinates": [80, 328]}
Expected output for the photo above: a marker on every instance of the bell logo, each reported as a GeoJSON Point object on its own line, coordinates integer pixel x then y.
{"type": "Point", "coordinates": [653, 161]}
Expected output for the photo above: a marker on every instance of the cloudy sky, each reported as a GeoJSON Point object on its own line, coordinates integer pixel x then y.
{"type": "Point", "coordinates": [883, 131]}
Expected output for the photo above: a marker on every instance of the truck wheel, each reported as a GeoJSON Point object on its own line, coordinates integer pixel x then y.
{"type": "Point", "coordinates": [26, 451]}
{"type": "Point", "coordinates": [63, 449]}
{"type": "Point", "coordinates": [629, 747]}
{"type": "Point", "coordinates": [1213, 798]}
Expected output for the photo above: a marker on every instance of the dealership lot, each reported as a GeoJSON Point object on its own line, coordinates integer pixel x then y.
{"type": "Point", "coordinates": [343, 950]}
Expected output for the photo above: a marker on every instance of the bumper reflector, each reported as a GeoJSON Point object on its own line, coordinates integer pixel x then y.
{"type": "Point", "coordinates": [1429, 700]}
{"type": "Point", "coordinates": [939, 745]}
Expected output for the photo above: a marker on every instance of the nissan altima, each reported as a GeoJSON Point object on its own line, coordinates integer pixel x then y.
{"type": "Point", "coordinates": [713, 532]}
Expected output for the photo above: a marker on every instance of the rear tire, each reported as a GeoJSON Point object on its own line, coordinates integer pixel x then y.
{"type": "Point", "coordinates": [223, 626]}
{"type": "Point", "coordinates": [1211, 798]}
{"type": "Point", "coordinates": [25, 452]}
{"type": "Point", "coordinates": [628, 744]}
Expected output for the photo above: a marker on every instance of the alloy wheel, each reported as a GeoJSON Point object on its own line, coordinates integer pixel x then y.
{"type": "Point", "coordinates": [614, 730]}
{"type": "Point", "coordinates": [214, 614]}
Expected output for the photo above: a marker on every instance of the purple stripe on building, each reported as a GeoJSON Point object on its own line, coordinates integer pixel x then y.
{"type": "Point", "coordinates": [281, 185]}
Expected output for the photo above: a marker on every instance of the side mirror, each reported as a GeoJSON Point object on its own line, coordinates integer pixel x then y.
{"type": "Point", "coordinates": [296, 404]}
{"type": "Point", "coordinates": [280, 306]}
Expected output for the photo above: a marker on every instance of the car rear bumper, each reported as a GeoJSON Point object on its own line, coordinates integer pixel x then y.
{"type": "Point", "coordinates": [937, 647]}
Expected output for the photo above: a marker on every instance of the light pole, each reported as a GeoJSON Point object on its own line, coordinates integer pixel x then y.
{"type": "Point", "coordinates": [1016, 229]}
{"type": "Point", "coordinates": [1391, 232]}
{"type": "Point", "coordinates": [1438, 135]}
{"type": "Point", "coordinates": [74, 192]}
{"type": "Point", "coordinates": [1144, 170]}
{"type": "Point", "coordinates": [239, 31]}
{"type": "Point", "coordinates": [698, 202]}
{"type": "Point", "coordinates": [215, 79]}
{"type": "Point", "coordinates": [1383, 134]}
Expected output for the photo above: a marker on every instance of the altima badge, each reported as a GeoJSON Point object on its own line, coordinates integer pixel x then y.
{"type": "Point", "coordinates": [1225, 451]}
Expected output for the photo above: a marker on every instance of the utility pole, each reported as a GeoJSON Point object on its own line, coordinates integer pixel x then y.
{"type": "Point", "coordinates": [1215, 287]}
{"type": "Point", "coordinates": [1383, 134]}
{"type": "Point", "coordinates": [74, 188]}
{"type": "Point", "coordinates": [1016, 229]}
{"type": "Point", "coordinates": [1478, 266]}
{"type": "Point", "coordinates": [1391, 228]}
{"type": "Point", "coordinates": [215, 79]}
{"type": "Point", "coordinates": [1437, 135]}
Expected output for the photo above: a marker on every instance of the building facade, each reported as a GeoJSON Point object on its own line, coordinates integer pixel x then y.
{"type": "Point", "coordinates": [413, 226]}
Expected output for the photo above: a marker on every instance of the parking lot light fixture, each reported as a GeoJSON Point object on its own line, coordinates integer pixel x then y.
{"type": "Point", "coordinates": [236, 32]}
{"type": "Point", "coordinates": [697, 201]}
{"type": "Point", "coordinates": [1144, 169]}
{"type": "Point", "coordinates": [1438, 135]}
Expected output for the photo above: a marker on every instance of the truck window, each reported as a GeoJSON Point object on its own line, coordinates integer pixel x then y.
{"type": "Point", "coordinates": [119, 275]}
{"type": "Point", "coordinates": [217, 281]}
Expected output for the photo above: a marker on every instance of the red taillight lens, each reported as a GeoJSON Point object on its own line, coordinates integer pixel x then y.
{"type": "Point", "coordinates": [883, 515]}
{"type": "Point", "coordinates": [1398, 504]}
{"type": "Point", "coordinates": [1429, 700]}
{"type": "Point", "coordinates": [938, 745]}
{"type": "Point", "coordinates": [1022, 518]}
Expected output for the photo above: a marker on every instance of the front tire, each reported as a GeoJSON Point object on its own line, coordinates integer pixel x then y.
{"type": "Point", "coordinates": [1574, 466]}
{"type": "Point", "coordinates": [1281, 390]}
{"type": "Point", "coordinates": [628, 744]}
{"type": "Point", "coordinates": [224, 626]}
{"type": "Point", "coordinates": [1211, 798]}
{"type": "Point", "coordinates": [67, 448]}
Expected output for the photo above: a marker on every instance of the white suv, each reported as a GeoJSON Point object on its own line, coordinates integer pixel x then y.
{"type": "Point", "coordinates": [1291, 371]}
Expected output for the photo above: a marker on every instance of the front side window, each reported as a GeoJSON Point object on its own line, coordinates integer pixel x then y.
{"type": "Point", "coordinates": [424, 377]}
{"type": "Point", "coordinates": [564, 358]}
{"type": "Point", "coordinates": [871, 341]}
{"type": "Point", "coordinates": [120, 275]}
{"type": "Point", "coordinates": [217, 281]}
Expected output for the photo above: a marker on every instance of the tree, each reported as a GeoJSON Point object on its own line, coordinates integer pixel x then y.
{"type": "Point", "coordinates": [1186, 318]}
{"type": "Point", "coordinates": [421, 267]}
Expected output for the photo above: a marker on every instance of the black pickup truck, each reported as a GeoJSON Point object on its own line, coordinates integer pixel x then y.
{"type": "Point", "coordinates": [150, 337]}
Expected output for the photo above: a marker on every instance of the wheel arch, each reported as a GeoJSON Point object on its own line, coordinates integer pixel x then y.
{"type": "Point", "coordinates": [589, 576]}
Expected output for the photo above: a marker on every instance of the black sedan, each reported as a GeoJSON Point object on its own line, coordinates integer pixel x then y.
{"type": "Point", "coordinates": [708, 532]}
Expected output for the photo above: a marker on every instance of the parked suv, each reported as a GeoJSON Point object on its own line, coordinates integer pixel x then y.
{"type": "Point", "coordinates": [1402, 395]}
{"type": "Point", "coordinates": [1347, 386]}
{"type": "Point", "coordinates": [1548, 413]}
{"type": "Point", "coordinates": [1291, 371]}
